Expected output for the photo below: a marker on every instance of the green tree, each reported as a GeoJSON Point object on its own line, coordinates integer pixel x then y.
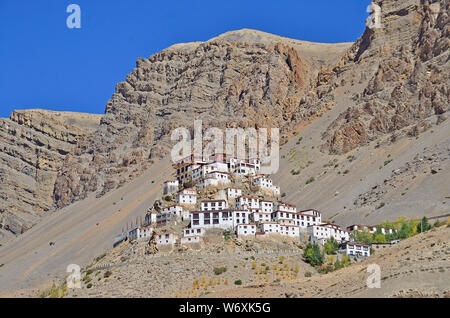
{"type": "Point", "coordinates": [331, 246]}
{"type": "Point", "coordinates": [313, 255]}
{"type": "Point", "coordinates": [423, 225]}
{"type": "Point", "coordinates": [379, 238]}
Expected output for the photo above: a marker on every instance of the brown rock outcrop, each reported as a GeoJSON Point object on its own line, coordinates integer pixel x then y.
{"type": "Point", "coordinates": [406, 62]}
{"type": "Point", "coordinates": [33, 146]}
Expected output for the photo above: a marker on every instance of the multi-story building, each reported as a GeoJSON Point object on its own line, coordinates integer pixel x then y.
{"type": "Point", "coordinates": [270, 227]}
{"type": "Point", "coordinates": [175, 210]}
{"type": "Point", "coordinates": [323, 232]}
{"type": "Point", "coordinates": [233, 193]}
{"type": "Point", "coordinates": [224, 219]}
{"type": "Point", "coordinates": [290, 230]}
{"type": "Point", "coordinates": [262, 182]}
{"type": "Point", "coordinates": [187, 196]}
{"type": "Point", "coordinates": [246, 230]}
{"type": "Point", "coordinates": [140, 233]}
{"type": "Point", "coordinates": [285, 217]}
{"type": "Point", "coordinates": [308, 218]}
{"type": "Point", "coordinates": [266, 206]}
{"type": "Point", "coordinates": [246, 202]}
{"type": "Point", "coordinates": [355, 249]}
{"type": "Point", "coordinates": [286, 207]}
{"type": "Point", "coordinates": [222, 177]}
{"type": "Point", "coordinates": [185, 167]}
{"type": "Point", "coordinates": [166, 239]}
{"type": "Point", "coordinates": [213, 205]}
{"type": "Point", "coordinates": [245, 169]}
{"type": "Point", "coordinates": [317, 215]}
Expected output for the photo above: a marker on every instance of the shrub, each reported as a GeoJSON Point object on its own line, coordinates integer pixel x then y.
{"type": "Point", "coordinates": [312, 179]}
{"type": "Point", "coordinates": [308, 274]}
{"type": "Point", "coordinates": [107, 274]}
{"type": "Point", "coordinates": [89, 285]}
{"type": "Point", "coordinates": [238, 282]}
{"type": "Point", "coordinates": [219, 270]}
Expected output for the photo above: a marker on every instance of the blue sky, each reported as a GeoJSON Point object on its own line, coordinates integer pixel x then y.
{"type": "Point", "coordinates": [44, 64]}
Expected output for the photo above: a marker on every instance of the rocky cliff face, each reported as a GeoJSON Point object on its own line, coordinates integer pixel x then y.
{"type": "Point", "coordinates": [242, 78]}
{"type": "Point", "coordinates": [404, 69]}
{"type": "Point", "coordinates": [33, 145]}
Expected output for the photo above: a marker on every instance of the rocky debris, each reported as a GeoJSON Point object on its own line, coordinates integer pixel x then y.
{"type": "Point", "coordinates": [430, 161]}
{"type": "Point", "coordinates": [152, 247]}
{"type": "Point", "coordinates": [33, 146]}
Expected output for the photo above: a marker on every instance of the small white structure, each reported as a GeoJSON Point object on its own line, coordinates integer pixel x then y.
{"type": "Point", "coordinates": [213, 205]}
{"type": "Point", "coordinates": [193, 232]}
{"type": "Point", "coordinates": [270, 227]}
{"type": "Point", "coordinates": [246, 230]}
{"type": "Point", "coordinates": [170, 187]}
{"type": "Point", "coordinates": [308, 218]}
{"type": "Point", "coordinates": [246, 202]}
{"type": "Point", "coordinates": [286, 207]}
{"type": "Point", "coordinates": [140, 233]}
{"type": "Point", "coordinates": [262, 182]}
{"type": "Point", "coordinates": [208, 182]}
{"type": "Point", "coordinates": [187, 196]}
{"type": "Point", "coordinates": [190, 240]}
{"type": "Point", "coordinates": [285, 218]}
{"type": "Point", "coordinates": [289, 230]}
{"type": "Point", "coordinates": [355, 249]}
{"type": "Point", "coordinates": [245, 169]}
{"type": "Point", "coordinates": [319, 233]}
{"type": "Point", "coordinates": [222, 177]}
{"type": "Point", "coordinates": [266, 206]}
{"type": "Point", "coordinates": [370, 229]}
{"type": "Point", "coordinates": [233, 193]}
{"type": "Point", "coordinates": [166, 239]}
{"type": "Point", "coordinates": [276, 190]}
{"type": "Point", "coordinates": [186, 215]}
{"type": "Point", "coordinates": [175, 210]}
{"type": "Point", "coordinates": [317, 215]}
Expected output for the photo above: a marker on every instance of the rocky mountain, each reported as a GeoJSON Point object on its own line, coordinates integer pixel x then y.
{"type": "Point", "coordinates": [364, 130]}
{"type": "Point", "coordinates": [404, 66]}
{"type": "Point", "coordinates": [33, 146]}
{"type": "Point", "coordinates": [390, 84]}
{"type": "Point", "coordinates": [242, 78]}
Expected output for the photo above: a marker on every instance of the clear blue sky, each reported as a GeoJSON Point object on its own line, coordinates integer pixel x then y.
{"type": "Point", "coordinates": [44, 64]}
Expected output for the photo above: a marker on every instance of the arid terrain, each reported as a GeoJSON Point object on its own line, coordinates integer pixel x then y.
{"type": "Point", "coordinates": [416, 267]}
{"type": "Point", "coordinates": [365, 138]}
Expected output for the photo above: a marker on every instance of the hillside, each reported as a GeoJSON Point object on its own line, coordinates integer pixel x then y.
{"type": "Point", "coordinates": [416, 267]}
{"type": "Point", "coordinates": [364, 134]}
{"type": "Point", "coordinates": [33, 146]}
